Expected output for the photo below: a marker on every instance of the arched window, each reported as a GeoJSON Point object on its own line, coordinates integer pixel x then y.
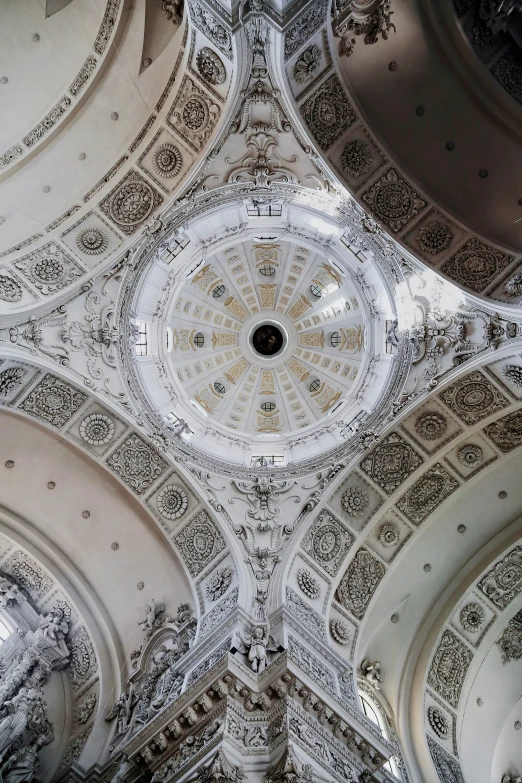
{"type": "Point", "coordinates": [375, 713]}
{"type": "Point", "coordinates": [5, 631]}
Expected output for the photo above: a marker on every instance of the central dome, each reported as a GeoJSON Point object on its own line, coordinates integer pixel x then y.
{"type": "Point", "coordinates": [266, 343]}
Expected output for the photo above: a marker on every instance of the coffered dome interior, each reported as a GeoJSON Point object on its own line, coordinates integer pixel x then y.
{"type": "Point", "coordinates": [265, 337]}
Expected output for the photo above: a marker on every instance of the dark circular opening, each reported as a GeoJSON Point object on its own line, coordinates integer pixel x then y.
{"type": "Point", "coordinates": [267, 340]}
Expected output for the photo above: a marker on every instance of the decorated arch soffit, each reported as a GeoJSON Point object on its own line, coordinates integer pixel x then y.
{"type": "Point", "coordinates": [286, 351]}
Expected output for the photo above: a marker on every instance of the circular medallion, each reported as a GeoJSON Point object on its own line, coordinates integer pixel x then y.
{"type": "Point", "coordinates": [327, 543]}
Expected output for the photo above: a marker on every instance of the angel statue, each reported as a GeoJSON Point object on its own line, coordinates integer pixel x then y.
{"type": "Point", "coordinates": [54, 625]}
{"type": "Point", "coordinates": [17, 713]}
{"type": "Point", "coordinates": [151, 615]}
{"type": "Point", "coordinates": [9, 592]}
{"type": "Point", "coordinates": [122, 710]}
{"type": "Point", "coordinates": [256, 646]}
{"type": "Point", "coordinates": [372, 673]}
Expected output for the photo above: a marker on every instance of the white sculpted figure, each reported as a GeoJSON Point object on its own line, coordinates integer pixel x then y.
{"type": "Point", "coordinates": [372, 673]}
{"type": "Point", "coordinates": [122, 710]}
{"type": "Point", "coordinates": [9, 592]}
{"type": "Point", "coordinates": [151, 615]}
{"type": "Point", "coordinates": [256, 646]}
{"type": "Point", "coordinates": [18, 712]}
{"type": "Point", "coordinates": [54, 625]}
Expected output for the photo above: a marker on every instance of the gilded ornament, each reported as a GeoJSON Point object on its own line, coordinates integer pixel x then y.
{"type": "Point", "coordinates": [172, 502]}
{"type": "Point", "coordinates": [308, 583]}
{"type": "Point", "coordinates": [96, 429]}
{"type": "Point", "coordinates": [431, 426]}
{"type": "Point", "coordinates": [355, 501]}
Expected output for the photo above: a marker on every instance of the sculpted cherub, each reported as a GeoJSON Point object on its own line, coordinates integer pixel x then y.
{"type": "Point", "coordinates": [256, 646]}
{"type": "Point", "coordinates": [372, 672]}
{"type": "Point", "coordinates": [151, 615]}
{"type": "Point", "coordinates": [9, 592]}
{"type": "Point", "coordinates": [54, 625]}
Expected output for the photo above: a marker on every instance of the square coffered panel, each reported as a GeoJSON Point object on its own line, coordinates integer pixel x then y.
{"type": "Point", "coordinates": [210, 65]}
{"type": "Point", "coordinates": [508, 374]}
{"type": "Point", "coordinates": [356, 157]}
{"type": "Point", "coordinates": [473, 398]}
{"type": "Point", "coordinates": [472, 618]}
{"type": "Point", "coordinates": [389, 536]}
{"type": "Point", "coordinates": [342, 630]}
{"type": "Point", "coordinates": [440, 722]}
{"type": "Point", "coordinates": [427, 493]}
{"type": "Point", "coordinates": [509, 289]}
{"type": "Point", "coordinates": [172, 503]}
{"type": "Point", "coordinates": [309, 583]}
{"type": "Point", "coordinates": [166, 160]}
{"type": "Point", "coordinates": [216, 583]}
{"type": "Point", "coordinates": [431, 427]}
{"type": "Point", "coordinates": [434, 237]}
{"type": "Point", "coordinates": [97, 429]}
{"type": "Point", "coordinates": [305, 68]}
{"type": "Point", "coordinates": [14, 380]}
{"type": "Point", "coordinates": [91, 239]}
{"type": "Point", "coordinates": [13, 291]}
{"type": "Point", "coordinates": [356, 501]}
{"type": "Point", "coordinates": [394, 201]}
{"type": "Point", "coordinates": [470, 456]}
{"type": "Point", "coordinates": [391, 462]}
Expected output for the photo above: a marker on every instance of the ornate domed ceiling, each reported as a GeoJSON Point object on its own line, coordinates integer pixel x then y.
{"type": "Point", "coordinates": [271, 341]}
{"type": "Point", "coordinates": [267, 338]}
{"type": "Point", "coordinates": [233, 369]}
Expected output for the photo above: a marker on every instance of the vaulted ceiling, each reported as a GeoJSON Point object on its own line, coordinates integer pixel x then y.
{"type": "Point", "coordinates": [271, 246]}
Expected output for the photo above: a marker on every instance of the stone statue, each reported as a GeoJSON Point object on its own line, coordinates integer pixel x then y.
{"type": "Point", "coordinates": [372, 673]}
{"type": "Point", "coordinates": [184, 613]}
{"type": "Point", "coordinates": [54, 625]}
{"type": "Point", "coordinates": [17, 713]}
{"type": "Point", "coordinates": [151, 615]}
{"type": "Point", "coordinates": [122, 711]}
{"type": "Point", "coordinates": [21, 765]}
{"type": "Point", "coordinates": [256, 647]}
{"type": "Point", "coordinates": [9, 592]}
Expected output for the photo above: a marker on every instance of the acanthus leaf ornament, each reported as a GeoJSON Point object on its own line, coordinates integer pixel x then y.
{"type": "Point", "coordinates": [263, 496]}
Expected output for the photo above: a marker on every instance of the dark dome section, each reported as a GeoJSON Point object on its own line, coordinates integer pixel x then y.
{"type": "Point", "coordinates": [267, 340]}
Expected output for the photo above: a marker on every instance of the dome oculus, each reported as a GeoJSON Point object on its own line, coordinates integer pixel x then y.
{"type": "Point", "coordinates": [267, 340]}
